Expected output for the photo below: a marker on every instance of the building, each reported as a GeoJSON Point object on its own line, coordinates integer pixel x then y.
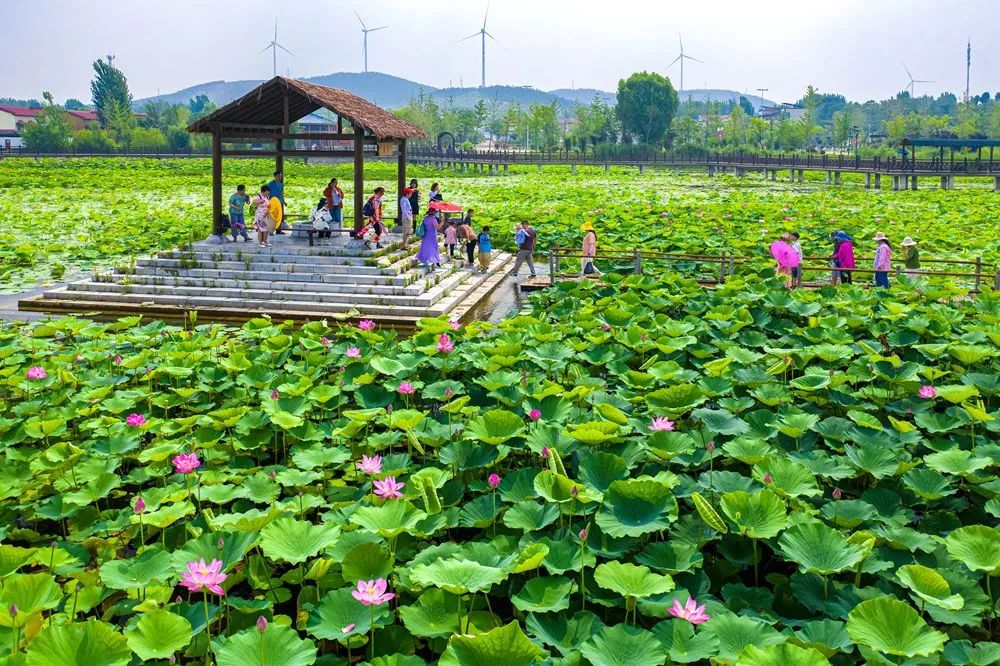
{"type": "Point", "coordinates": [783, 111]}
{"type": "Point", "coordinates": [82, 119]}
{"type": "Point", "coordinates": [10, 139]}
{"type": "Point", "coordinates": [12, 118]}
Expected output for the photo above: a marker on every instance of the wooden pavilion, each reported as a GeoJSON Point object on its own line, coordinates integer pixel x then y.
{"type": "Point", "coordinates": [265, 113]}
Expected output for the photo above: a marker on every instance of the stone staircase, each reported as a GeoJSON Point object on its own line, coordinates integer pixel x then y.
{"type": "Point", "coordinates": [289, 279]}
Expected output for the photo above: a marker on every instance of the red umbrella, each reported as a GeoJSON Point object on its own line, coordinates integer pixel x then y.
{"type": "Point", "coordinates": [443, 207]}
{"type": "Point", "coordinates": [784, 254]}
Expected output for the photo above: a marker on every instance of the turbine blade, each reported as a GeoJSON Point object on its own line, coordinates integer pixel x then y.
{"type": "Point", "coordinates": [363, 26]}
{"type": "Point", "coordinates": [675, 61]}
{"type": "Point", "coordinates": [695, 59]}
{"type": "Point", "coordinates": [680, 41]}
{"type": "Point", "coordinates": [265, 48]}
{"type": "Point", "coordinates": [499, 43]}
{"type": "Point", "coordinates": [907, 71]}
{"type": "Point", "coordinates": [475, 34]}
{"type": "Point", "coordinates": [275, 29]}
{"type": "Point", "coordinates": [381, 27]}
{"type": "Point", "coordinates": [486, 15]}
{"type": "Point", "coordinates": [283, 48]}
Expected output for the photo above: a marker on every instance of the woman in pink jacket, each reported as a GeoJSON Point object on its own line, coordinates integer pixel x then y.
{"type": "Point", "coordinates": [844, 256]}
{"type": "Point", "coordinates": [589, 250]}
{"type": "Point", "coordinates": [883, 260]}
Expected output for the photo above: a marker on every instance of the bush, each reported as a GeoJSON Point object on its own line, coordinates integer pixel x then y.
{"type": "Point", "coordinates": [144, 138]}
{"type": "Point", "coordinates": [178, 139]}
{"type": "Point", "coordinates": [93, 140]}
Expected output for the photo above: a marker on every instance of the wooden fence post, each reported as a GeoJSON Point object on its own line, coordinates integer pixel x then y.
{"type": "Point", "coordinates": [552, 265]}
{"type": "Point", "coordinates": [722, 268]}
{"type": "Point", "coordinates": [636, 261]}
{"type": "Point", "coordinates": [979, 272]}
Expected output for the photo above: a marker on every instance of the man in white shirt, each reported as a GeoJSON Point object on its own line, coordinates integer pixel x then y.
{"type": "Point", "coordinates": [406, 216]}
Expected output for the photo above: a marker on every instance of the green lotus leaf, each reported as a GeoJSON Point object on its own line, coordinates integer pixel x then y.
{"type": "Point", "coordinates": [457, 575]}
{"type": "Point", "coordinates": [956, 462]}
{"type": "Point", "coordinates": [893, 627]}
{"type": "Point", "coordinates": [530, 516]}
{"type": "Point", "coordinates": [811, 382]}
{"type": "Point", "coordinates": [562, 632]}
{"type": "Point", "coordinates": [612, 413]}
{"type": "Point", "coordinates": [976, 546]}
{"type": "Point", "coordinates": [964, 653]}
{"type": "Point", "coordinates": [636, 507]}
{"type": "Point", "coordinates": [681, 642]}
{"type": "Point", "coordinates": [929, 586]}
{"type": "Point", "coordinates": [956, 393]}
{"type": "Point", "coordinates": [495, 427]}
{"type": "Point", "coordinates": [30, 593]}
{"type": "Point", "coordinates": [708, 514]}
{"type": "Point", "coordinates": [165, 516]}
{"type": "Point", "coordinates": [366, 561]}
{"type": "Point", "coordinates": [672, 557]}
{"type": "Point", "coordinates": [817, 548]}
{"type": "Point", "coordinates": [235, 546]}
{"type": "Point", "coordinates": [138, 572]}
{"type": "Point", "coordinates": [435, 615]}
{"type": "Point", "coordinates": [735, 632]}
{"type": "Point", "coordinates": [280, 645]}
{"type": "Point", "coordinates": [286, 421]}
{"type": "Point", "coordinates": [759, 515]}
{"type": "Point", "coordinates": [555, 487]}
{"type": "Point", "coordinates": [826, 636]}
{"type": "Point", "coordinates": [90, 643]}
{"type": "Point", "coordinates": [338, 616]}
{"type": "Point", "coordinates": [502, 646]}
{"type": "Point", "coordinates": [390, 519]}
{"type": "Point", "coordinates": [158, 634]}
{"type": "Point", "coordinates": [13, 558]}
{"type": "Point", "coordinates": [789, 478]}
{"type": "Point", "coordinates": [387, 366]}
{"type": "Point", "coordinates": [623, 645]}
{"type": "Point", "coordinates": [721, 422]}
{"type": "Point", "coordinates": [291, 540]}
{"type": "Point", "coordinates": [594, 433]}
{"type": "Point", "coordinates": [676, 400]}
{"type": "Point", "coordinates": [544, 594]}
{"type": "Point", "coordinates": [785, 654]}
{"type": "Point", "coordinates": [928, 484]}
{"type": "Point", "coordinates": [630, 580]}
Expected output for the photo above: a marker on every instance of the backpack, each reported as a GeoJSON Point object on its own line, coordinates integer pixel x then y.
{"type": "Point", "coordinates": [368, 210]}
{"type": "Point", "coordinates": [420, 231]}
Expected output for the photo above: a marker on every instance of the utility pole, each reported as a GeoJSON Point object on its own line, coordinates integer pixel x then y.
{"type": "Point", "coordinates": [761, 91]}
{"type": "Point", "coordinates": [968, 65]}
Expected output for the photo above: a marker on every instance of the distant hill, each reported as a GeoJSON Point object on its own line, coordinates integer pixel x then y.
{"type": "Point", "coordinates": [394, 92]}
{"type": "Point", "coordinates": [721, 95]}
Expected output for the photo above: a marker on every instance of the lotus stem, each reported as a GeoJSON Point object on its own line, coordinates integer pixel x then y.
{"type": "Point", "coordinates": [755, 560]}
{"type": "Point", "coordinates": [371, 631]}
{"type": "Point", "coordinates": [260, 636]}
{"type": "Point", "coordinates": [208, 626]}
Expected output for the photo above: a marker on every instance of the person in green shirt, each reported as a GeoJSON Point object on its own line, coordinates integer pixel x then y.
{"type": "Point", "coordinates": [911, 256]}
{"type": "Point", "coordinates": [237, 204]}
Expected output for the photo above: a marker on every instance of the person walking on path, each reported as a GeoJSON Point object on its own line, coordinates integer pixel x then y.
{"type": "Point", "coordinates": [413, 193]}
{"type": "Point", "coordinates": [277, 189]}
{"type": "Point", "coordinates": [468, 237]}
{"type": "Point", "coordinates": [261, 218]}
{"type": "Point", "coordinates": [429, 253]}
{"type": "Point", "coordinates": [911, 256]}
{"type": "Point", "coordinates": [526, 249]}
{"type": "Point", "coordinates": [237, 206]}
{"type": "Point", "coordinates": [589, 250]}
{"type": "Point", "coordinates": [883, 260]}
{"type": "Point", "coordinates": [405, 216]}
{"type": "Point", "coordinates": [844, 256]}
{"type": "Point", "coordinates": [334, 203]}
{"type": "Point", "coordinates": [485, 243]}
{"type": "Point", "coordinates": [372, 213]}
{"type": "Point", "coordinates": [450, 237]}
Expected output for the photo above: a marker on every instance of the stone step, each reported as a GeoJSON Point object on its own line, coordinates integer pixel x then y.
{"type": "Point", "coordinates": [348, 278]}
{"type": "Point", "coordinates": [264, 258]}
{"type": "Point", "coordinates": [289, 267]}
{"type": "Point", "coordinates": [416, 287]}
{"type": "Point", "coordinates": [337, 248]}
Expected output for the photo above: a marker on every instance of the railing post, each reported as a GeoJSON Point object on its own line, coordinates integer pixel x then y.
{"type": "Point", "coordinates": [636, 261]}
{"type": "Point", "coordinates": [722, 268]}
{"type": "Point", "coordinates": [552, 265]}
{"type": "Point", "coordinates": [979, 272]}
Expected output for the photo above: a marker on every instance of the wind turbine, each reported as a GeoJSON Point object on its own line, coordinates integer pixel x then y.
{"type": "Point", "coordinates": [483, 34]}
{"type": "Point", "coordinates": [365, 29]}
{"type": "Point", "coordinates": [682, 57]}
{"type": "Point", "coordinates": [913, 81]}
{"type": "Point", "coordinates": [274, 46]}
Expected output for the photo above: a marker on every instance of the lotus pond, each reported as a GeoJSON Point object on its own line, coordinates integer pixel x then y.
{"type": "Point", "coordinates": [635, 474]}
{"type": "Point", "coordinates": [66, 216]}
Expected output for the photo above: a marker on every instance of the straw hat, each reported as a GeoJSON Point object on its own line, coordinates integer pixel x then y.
{"type": "Point", "coordinates": [908, 241]}
{"type": "Point", "coordinates": [587, 226]}
{"type": "Point", "coordinates": [880, 236]}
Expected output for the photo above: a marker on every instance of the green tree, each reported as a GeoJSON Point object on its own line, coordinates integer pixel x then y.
{"type": "Point", "coordinates": [73, 104]}
{"type": "Point", "coordinates": [52, 129]}
{"type": "Point", "coordinates": [843, 121]}
{"type": "Point", "coordinates": [93, 139]}
{"type": "Point", "coordinates": [423, 112]}
{"type": "Point", "coordinates": [108, 89]}
{"type": "Point", "coordinates": [646, 106]}
{"type": "Point", "coordinates": [481, 114]}
{"type": "Point", "coordinates": [736, 126]}
{"type": "Point", "coordinates": [120, 121]}
{"type": "Point", "coordinates": [685, 131]}
{"type": "Point", "coordinates": [756, 132]}
{"type": "Point", "coordinates": [544, 125]}
{"type": "Point", "coordinates": [747, 107]}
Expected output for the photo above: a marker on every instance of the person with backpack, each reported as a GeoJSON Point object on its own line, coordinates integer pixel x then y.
{"type": "Point", "coordinates": [526, 249]}
{"type": "Point", "coordinates": [372, 212]}
{"type": "Point", "coordinates": [427, 232]}
{"type": "Point", "coordinates": [468, 238]}
{"type": "Point", "coordinates": [485, 249]}
{"type": "Point", "coordinates": [334, 203]}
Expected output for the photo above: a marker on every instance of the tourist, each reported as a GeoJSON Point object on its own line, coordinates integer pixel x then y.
{"type": "Point", "coordinates": [485, 249]}
{"type": "Point", "coordinates": [468, 236]}
{"type": "Point", "coordinates": [237, 207]}
{"type": "Point", "coordinates": [277, 189]}
{"type": "Point", "coordinates": [589, 251]}
{"type": "Point", "coordinates": [320, 219]}
{"type": "Point", "coordinates": [275, 214]}
{"type": "Point", "coordinates": [413, 192]}
{"type": "Point", "coordinates": [911, 257]}
{"type": "Point", "coordinates": [435, 194]}
{"type": "Point", "coordinates": [372, 212]}
{"type": "Point", "coordinates": [793, 237]}
{"type": "Point", "coordinates": [783, 266]}
{"type": "Point", "coordinates": [845, 257]}
{"type": "Point", "coordinates": [883, 260]}
{"type": "Point", "coordinates": [450, 237]}
{"type": "Point", "coordinates": [526, 249]}
{"type": "Point", "coordinates": [406, 215]}
{"type": "Point", "coordinates": [261, 218]}
{"type": "Point", "coordinates": [428, 253]}
{"type": "Point", "coordinates": [518, 234]}
{"type": "Point", "coordinates": [335, 203]}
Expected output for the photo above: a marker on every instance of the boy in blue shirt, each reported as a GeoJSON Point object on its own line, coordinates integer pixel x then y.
{"type": "Point", "coordinates": [237, 204]}
{"type": "Point", "coordinates": [485, 249]}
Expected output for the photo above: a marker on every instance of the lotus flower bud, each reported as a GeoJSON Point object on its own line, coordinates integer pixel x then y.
{"type": "Point", "coordinates": [545, 452]}
{"type": "Point", "coordinates": [221, 544]}
{"type": "Point", "coordinates": [261, 624]}
{"type": "Point", "coordinates": [767, 479]}
{"type": "Point", "coordinates": [583, 534]}
{"type": "Point", "coordinates": [12, 610]}
{"type": "Point", "coordinates": [274, 394]}
{"type": "Point", "coordinates": [139, 506]}
{"type": "Point", "coordinates": [494, 480]}
{"type": "Point", "coordinates": [710, 446]}
{"type": "Point", "coordinates": [837, 493]}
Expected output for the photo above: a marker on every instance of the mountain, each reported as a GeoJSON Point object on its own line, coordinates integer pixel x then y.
{"type": "Point", "coordinates": [393, 92]}
{"type": "Point", "coordinates": [720, 95]}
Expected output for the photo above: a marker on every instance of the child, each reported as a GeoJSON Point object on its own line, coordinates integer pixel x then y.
{"type": "Point", "coordinates": [261, 218]}
{"type": "Point", "coordinates": [883, 260]}
{"type": "Point", "coordinates": [372, 212]}
{"type": "Point", "coordinates": [796, 270]}
{"type": "Point", "coordinates": [485, 249]}
{"type": "Point", "coordinates": [237, 203]}
{"type": "Point", "coordinates": [450, 238]}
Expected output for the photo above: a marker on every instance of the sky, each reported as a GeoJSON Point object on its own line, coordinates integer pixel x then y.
{"type": "Point", "coordinates": [853, 47]}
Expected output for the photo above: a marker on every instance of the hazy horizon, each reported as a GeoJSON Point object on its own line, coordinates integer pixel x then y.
{"type": "Point", "coordinates": [852, 47]}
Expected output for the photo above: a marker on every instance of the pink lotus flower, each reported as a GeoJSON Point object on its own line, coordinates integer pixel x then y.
{"type": "Point", "coordinates": [455, 325]}
{"type": "Point", "coordinates": [448, 393]}
{"type": "Point", "coordinates": [837, 493]}
{"type": "Point", "coordinates": [406, 388]}
{"type": "Point", "coordinates": [79, 358]}
{"type": "Point", "coordinates": [118, 360]}
{"type": "Point", "coordinates": [185, 463]}
{"type": "Point", "coordinates": [261, 624]}
{"type": "Point", "coordinates": [691, 611]}
{"type": "Point", "coordinates": [545, 452]}
{"type": "Point", "coordinates": [372, 593]}
{"type": "Point", "coordinates": [927, 392]}
{"type": "Point", "coordinates": [388, 487]}
{"type": "Point", "coordinates": [139, 506]}
{"type": "Point", "coordinates": [661, 423]}
{"type": "Point", "coordinates": [767, 479]}
{"type": "Point", "coordinates": [353, 352]}
{"type": "Point", "coordinates": [710, 446]}
{"type": "Point", "coordinates": [200, 575]}
{"type": "Point", "coordinates": [274, 394]}
{"type": "Point", "coordinates": [370, 466]}
{"type": "Point", "coordinates": [445, 345]}
{"type": "Point", "coordinates": [583, 534]}
{"type": "Point", "coordinates": [348, 629]}
{"type": "Point", "coordinates": [325, 342]}
{"type": "Point", "coordinates": [36, 372]}
{"type": "Point", "coordinates": [366, 325]}
{"type": "Point", "coordinates": [534, 414]}
{"type": "Point", "coordinates": [135, 420]}
{"type": "Point", "coordinates": [606, 327]}
{"type": "Point", "coordinates": [494, 480]}
{"type": "Point", "coordinates": [270, 474]}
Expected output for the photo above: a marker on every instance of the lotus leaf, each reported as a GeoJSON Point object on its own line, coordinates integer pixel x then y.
{"type": "Point", "coordinates": [893, 627]}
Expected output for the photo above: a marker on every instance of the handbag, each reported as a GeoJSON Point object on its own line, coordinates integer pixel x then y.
{"type": "Point", "coordinates": [420, 231]}
{"type": "Point", "coordinates": [589, 268]}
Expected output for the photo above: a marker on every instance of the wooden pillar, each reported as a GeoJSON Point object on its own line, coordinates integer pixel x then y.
{"type": "Point", "coordinates": [216, 179]}
{"type": "Point", "coordinates": [279, 161]}
{"type": "Point", "coordinates": [868, 180]}
{"type": "Point", "coordinates": [359, 176]}
{"type": "Point", "coordinates": [400, 174]}
{"type": "Point", "coordinates": [878, 181]}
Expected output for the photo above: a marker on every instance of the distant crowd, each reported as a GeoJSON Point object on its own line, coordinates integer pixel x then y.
{"type": "Point", "coordinates": [787, 252]}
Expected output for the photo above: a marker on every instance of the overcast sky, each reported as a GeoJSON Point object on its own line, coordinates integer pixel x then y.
{"type": "Point", "coordinates": [854, 47]}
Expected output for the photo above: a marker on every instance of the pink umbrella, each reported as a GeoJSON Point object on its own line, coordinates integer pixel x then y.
{"type": "Point", "coordinates": [784, 254]}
